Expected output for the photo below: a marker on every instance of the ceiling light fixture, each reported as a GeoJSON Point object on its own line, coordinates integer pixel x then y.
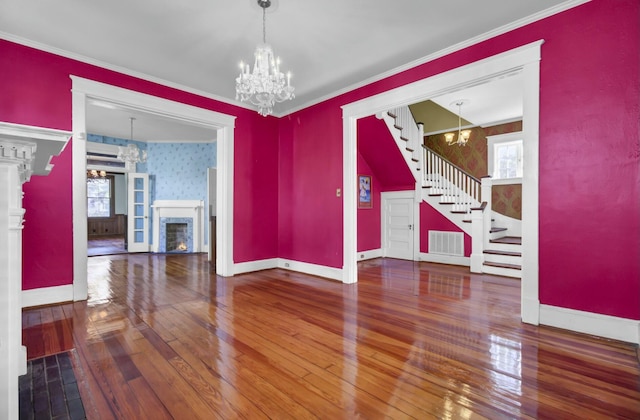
{"type": "Point", "coordinates": [131, 153]}
{"type": "Point", "coordinates": [463, 135]}
{"type": "Point", "coordinates": [265, 84]}
{"type": "Point", "coordinates": [95, 175]}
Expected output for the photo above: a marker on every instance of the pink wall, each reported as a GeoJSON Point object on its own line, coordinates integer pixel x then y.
{"type": "Point", "coordinates": [369, 226]}
{"type": "Point", "coordinates": [589, 157]}
{"type": "Point", "coordinates": [431, 219]}
{"type": "Point", "coordinates": [379, 156]}
{"type": "Point", "coordinates": [36, 90]}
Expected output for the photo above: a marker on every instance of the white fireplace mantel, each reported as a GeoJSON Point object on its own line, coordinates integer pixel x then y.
{"type": "Point", "coordinates": [178, 208]}
{"type": "Point", "coordinates": [24, 151]}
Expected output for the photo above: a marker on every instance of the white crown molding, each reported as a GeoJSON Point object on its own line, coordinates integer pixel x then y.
{"type": "Point", "coordinates": [446, 51]}
{"type": "Point", "coordinates": [471, 41]}
{"type": "Point", "coordinates": [30, 147]}
{"type": "Point", "coordinates": [118, 69]}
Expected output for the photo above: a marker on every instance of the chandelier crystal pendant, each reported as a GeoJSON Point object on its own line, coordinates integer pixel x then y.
{"type": "Point", "coordinates": [265, 84]}
{"type": "Point", "coordinates": [463, 135]}
{"type": "Point", "coordinates": [131, 154]}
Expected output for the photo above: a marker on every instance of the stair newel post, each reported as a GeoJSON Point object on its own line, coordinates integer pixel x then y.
{"type": "Point", "coordinates": [478, 234]}
{"type": "Point", "coordinates": [487, 183]}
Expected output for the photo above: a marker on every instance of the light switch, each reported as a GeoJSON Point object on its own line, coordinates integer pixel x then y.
{"type": "Point", "coordinates": [338, 192]}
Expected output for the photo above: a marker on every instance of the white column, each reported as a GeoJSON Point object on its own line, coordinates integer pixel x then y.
{"type": "Point", "coordinates": [18, 161]}
{"type": "Point", "coordinates": [13, 356]}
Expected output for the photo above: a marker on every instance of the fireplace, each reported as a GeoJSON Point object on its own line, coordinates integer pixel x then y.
{"type": "Point", "coordinates": [176, 225]}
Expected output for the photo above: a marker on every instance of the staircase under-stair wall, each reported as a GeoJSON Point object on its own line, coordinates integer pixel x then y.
{"type": "Point", "coordinates": [460, 197]}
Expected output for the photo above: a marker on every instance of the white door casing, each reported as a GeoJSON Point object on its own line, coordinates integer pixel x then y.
{"type": "Point", "coordinates": [525, 59]}
{"type": "Point", "coordinates": [84, 90]}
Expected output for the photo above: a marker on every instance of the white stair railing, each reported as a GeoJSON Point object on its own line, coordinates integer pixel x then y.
{"type": "Point", "coordinates": [455, 185]}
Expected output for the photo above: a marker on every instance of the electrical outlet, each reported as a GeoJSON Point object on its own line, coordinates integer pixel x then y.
{"type": "Point", "coordinates": [286, 264]}
{"type": "Point", "coordinates": [338, 192]}
{"type": "Point", "coordinates": [361, 256]}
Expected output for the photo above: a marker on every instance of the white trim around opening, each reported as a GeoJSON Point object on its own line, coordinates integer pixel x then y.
{"type": "Point", "coordinates": [525, 59]}
{"type": "Point", "coordinates": [82, 91]}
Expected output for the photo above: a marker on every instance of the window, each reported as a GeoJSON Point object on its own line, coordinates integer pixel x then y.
{"type": "Point", "coordinates": [505, 157]}
{"type": "Point", "coordinates": [100, 197]}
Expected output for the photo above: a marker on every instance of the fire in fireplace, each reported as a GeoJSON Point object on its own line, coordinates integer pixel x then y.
{"type": "Point", "coordinates": [177, 237]}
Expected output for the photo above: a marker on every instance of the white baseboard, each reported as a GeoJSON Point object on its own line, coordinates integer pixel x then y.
{"type": "Point", "coordinates": [302, 267]}
{"type": "Point", "coordinates": [312, 269]}
{"type": "Point", "coordinates": [47, 296]}
{"type": "Point", "coordinates": [445, 259]}
{"type": "Point", "coordinates": [370, 254]}
{"type": "Point", "coordinates": [622, 329]}
{"type": "Point", "coordinates": [248, 267]}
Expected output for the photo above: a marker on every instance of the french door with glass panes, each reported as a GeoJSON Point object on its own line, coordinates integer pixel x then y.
{"type": "Point", "coordinates": [138, 212]}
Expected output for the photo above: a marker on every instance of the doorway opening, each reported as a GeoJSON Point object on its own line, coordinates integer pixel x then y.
{"type": "Point", "coordinates": [86, 91]}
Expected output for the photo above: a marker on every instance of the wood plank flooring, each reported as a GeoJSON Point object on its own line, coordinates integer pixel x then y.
{"type": "Point", "coordinates": [162, 337]}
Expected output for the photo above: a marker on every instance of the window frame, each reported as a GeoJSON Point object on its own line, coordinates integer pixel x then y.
{"type": "Point", "coordinates": [112, 199]}
{"type": "Point", "coordinates": [498, 140]}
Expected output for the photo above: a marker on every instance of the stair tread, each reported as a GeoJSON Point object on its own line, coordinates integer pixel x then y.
{"type": "Point", "coordinates": [391, 114]}
{"type": "Point", "coordinates": [513, 240]}
{"type": "Point", "coordinates": [404, 138]}
{"type": "Point", "coordinates": [497, 229]}
{"type": "Point", "coordinates": [505, 253]}
{"type": "Point", "coordinates": [502, 265]}
{"type": "Point", "coordinates": [459, 212]}
{"type": "Point", "coordinates": [435, 195]}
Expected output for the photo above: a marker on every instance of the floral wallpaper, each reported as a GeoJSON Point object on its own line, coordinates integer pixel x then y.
{"type": "Point", "coordinates": [506, 199]}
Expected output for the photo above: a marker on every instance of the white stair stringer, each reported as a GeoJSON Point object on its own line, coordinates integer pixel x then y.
{"type": "Point", "coordinates": [402, 145]}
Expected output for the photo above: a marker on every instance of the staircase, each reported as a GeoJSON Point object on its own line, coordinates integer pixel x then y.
{"type": "Point", "coordinates": [458, 195]}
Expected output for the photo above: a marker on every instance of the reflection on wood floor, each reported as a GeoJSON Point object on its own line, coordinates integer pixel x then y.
{"type": "Point", "coordinates": [161, 336]}
{"type": "Point", "coordinates": [105, 245]}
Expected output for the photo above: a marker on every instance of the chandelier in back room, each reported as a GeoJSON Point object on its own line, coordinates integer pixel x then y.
{"type": "Point", "coordinates": [265, 84]}
{"type": "Point", "coordinates": [463, 135]}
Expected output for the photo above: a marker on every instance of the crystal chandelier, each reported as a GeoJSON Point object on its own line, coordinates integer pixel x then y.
{"type": "Point", "coordinates": [131, 153]}
{"type": "Point", "coordinates": [265, 84]}
{"type": "Point", "coordinates": [463, 135]}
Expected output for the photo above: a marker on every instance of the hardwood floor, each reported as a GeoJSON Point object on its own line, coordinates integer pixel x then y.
{"type": "Point", "coordinates": [162, 337]}
{"type": "Point", "coordinates": [105, 245]}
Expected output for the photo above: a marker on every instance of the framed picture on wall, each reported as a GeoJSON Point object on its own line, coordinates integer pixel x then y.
{"type": "Point", "coordinates": [365, 200]}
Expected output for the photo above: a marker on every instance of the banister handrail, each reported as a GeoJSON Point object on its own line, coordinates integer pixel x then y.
{"type": "Point", "coordinates": [452, 164]}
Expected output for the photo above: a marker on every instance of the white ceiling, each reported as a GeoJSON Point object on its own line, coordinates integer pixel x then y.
{"type": "Point", "coordinates": [196, 45]}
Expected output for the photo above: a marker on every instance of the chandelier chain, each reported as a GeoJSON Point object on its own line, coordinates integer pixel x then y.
{"type": "Point", "coordinates": [264, 25]}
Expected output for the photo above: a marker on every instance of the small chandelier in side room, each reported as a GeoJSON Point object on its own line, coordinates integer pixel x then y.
{"type": "Point", "coordinates": [265, 84]}
{"type": "Point", "coordinates": [95, 175]}
{"type": "Point", "coordinates": [131, 154]}
{"type": "Point", "coordinates": [463, 135]}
